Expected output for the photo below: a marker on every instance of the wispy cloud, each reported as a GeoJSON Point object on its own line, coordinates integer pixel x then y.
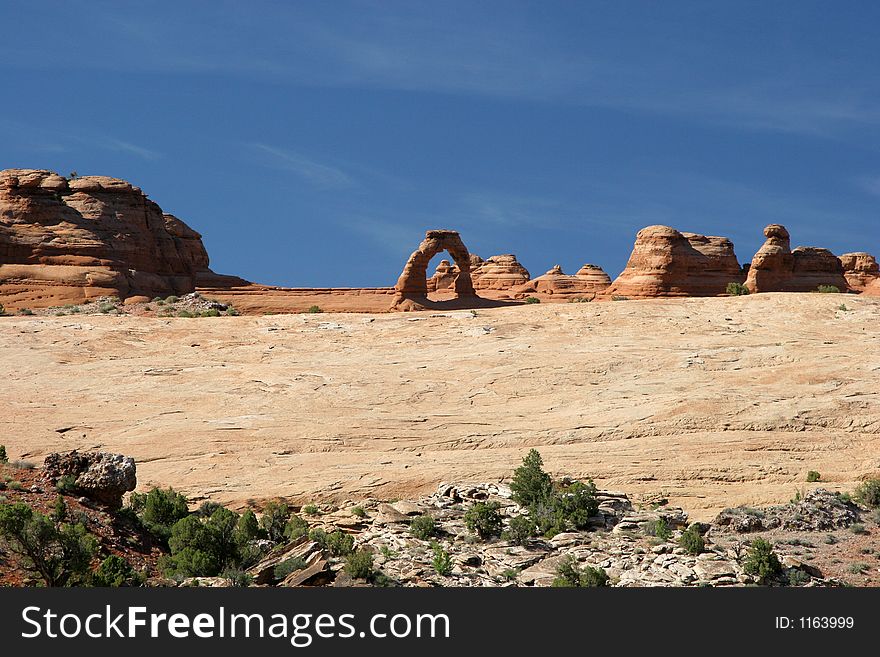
{"type": "Point", "coordinates": [870, 184]}
{"type": "Point", "coordinates": [315, 173]}
{"type": "Point", "coordinates": [121, 146]}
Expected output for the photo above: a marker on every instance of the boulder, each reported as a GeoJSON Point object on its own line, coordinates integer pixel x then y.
{"type": "Point", "coordinates": [776, 268]}
{"type": "Point", "coordinates": [667, 263]}
{"type": "Point", "coordinates": [99, 476]}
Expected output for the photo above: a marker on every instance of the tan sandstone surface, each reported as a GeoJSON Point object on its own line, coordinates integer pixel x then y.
{"type": "Point", "coordinates": [712, 402]}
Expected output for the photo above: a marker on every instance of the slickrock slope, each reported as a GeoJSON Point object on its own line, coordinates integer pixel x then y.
{"type": "Point", "coordinates": [860, 270]}
{"type": "Point", "coordinates": [65, 241]}
{"type": "Point", "coordinates": [776, 268]}
{"type": "Point", "coordinates": [667, 263]}
{"type": "Point", "coordinates": [713, 402]}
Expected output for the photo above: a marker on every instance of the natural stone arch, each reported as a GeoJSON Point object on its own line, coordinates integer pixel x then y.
{"type": "Point", "coordinates": [412, 286]}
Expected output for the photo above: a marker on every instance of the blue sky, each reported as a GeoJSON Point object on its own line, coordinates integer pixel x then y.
{"type": "Point", "coordinates": [313, 143]}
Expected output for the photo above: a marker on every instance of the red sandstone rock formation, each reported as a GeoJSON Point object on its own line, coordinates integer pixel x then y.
{"type": "Point", "coordinates": [556, 283]}
{"type": "Point", "coordinates": [860, 270]}
{"type": "Point", "coordinates": [667, 263]}
{"type": "Point", "coordinates": [500, 272]}
{"type": "Point", "coordinates": [66, 241]}
{"type": "Point", "coordinates": [444, 277]}
{"type": "Point", "coordinates": [872, 289]}
{"type": "Point", "coordinates": [776, 268]}
{"type": "Point", "coordinates": [412, 286]}
{"type": "Point", "coordinates": [594, 276]}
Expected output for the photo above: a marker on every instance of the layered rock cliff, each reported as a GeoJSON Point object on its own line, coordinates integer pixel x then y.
{"type": "Point", "coordinates": [66, 241]}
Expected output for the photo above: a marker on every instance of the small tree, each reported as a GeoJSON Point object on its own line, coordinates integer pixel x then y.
{"type": "Point", "coordinates": [441, 562]}
{"type": "Point", "coordinates": [737, 289]}
{"type": "Point", "coordinates": [274, 520]}
{"type": "Point", "coordinates": [531, 484]}
{"type": "Point", "coordinates": [484, 520]}
{"type": "Point", "coordinates": [762, 561]}
{"type": "Point", "coordinates": [521, 529]}
{"type": "Point", "coordinates": [115, 571]}
{"type": "Point", "coordinates": [159, 509]}
{"type": "Point", "coordinates": [577, 503]}
{"type": "Point", "coordinates": [248, 527]}
{"type": "Point", "coordinates": [813, 476]}
{"type": "Point", "coordinates": [296, 527]}
{"type": "Point", "coordinates": [4, 459]}
{"type": "Point", "coordinates": [340, 544]}
{"type": "Point", "coordinates": [60, 554]}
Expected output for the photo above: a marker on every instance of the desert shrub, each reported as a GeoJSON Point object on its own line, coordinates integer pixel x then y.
{"type": "Point", "coordinates": [184, 313]}
{"type": "Point", "coordinates": [691, 541]}
{"type": "Point", "coordinates": [18, 464]}
{"type": "Point", "coordinates": [171, 299]}
{"type": "Point", "coordinates": [274, 520]}
{"type": "Point", "coordinates": [441, 562]}
{"type": "Point", "coordinates": [15, 485]}
{"type": "Point", "coordinates": [340, 544]}
{"type": "Point", "coordinates": [617, 297]}
{"type": "Point", "coordinates": [115, 571]}
{"type": "Point", "coordinates": [813, 476]}
{"type": "Point", "coordinates": [212, 312]}
{"type": "Point", "coordinates": [237, 578]}
{"type": "Point", "coordinates": [530, 483]}
{"type": "Point", "coordinates": [423, 527]}
{"type": "Point", "coordinates": [106, 307]}
{"type": "Point", "coordinates": [828, 289]}
{"type": "Point", "coordinates": [532, 300]}
{"type": "Point", "coordinates": [761, 561]}
{"type": "Point", "coordinates": [797, 577]}
{"type": "Point", "coordinates": [319, 536]}
{"type": "Point", "coordinates": [315, 309]}
{"type": "Point", "coordinates": [659, 528]}
{"type": "Point", "coordinates": [868, 493]}
{"type": "Point", "coordinates": [159, 510]}
{"type": "Point", "coordinates": [483, 519]}
{"type": "Point", "coordinates": [4, 459]}
{"type": "Point", "coordinates": [568, 574]}
{"type": "Point", "coordinates": [358, 511]}
{"type": "Point", "coordinates": [288, 566]}
{"type": "Point", "coordinates": [60, 554]}
{"type": "Point", "coordinates": [25, 311]}
{"type": "Point", "coordinates": [858, 528]}
{"type": "Point", "coordinates": [295, 528]}
{"type": "Point", "coordinates": [359, 564]}
{"type": "Point", "coordinates": [521, 529]}
{"type": "Point", "coordinates": [311, 510]}
{"type": "Point", "coordinates": [737, 289]}
{"type": "Point", "coordinates": [858, 568]}
{"type": "Point", "coordinates": [232, 312]}
{"type": "Point", "coordinates": [875, 516]}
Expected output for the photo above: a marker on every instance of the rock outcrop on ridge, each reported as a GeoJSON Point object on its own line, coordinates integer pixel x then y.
{"type": "Point", "coordinates": [66, 241]}
{"type": "Point", "coordinates": [668, 263]}
{"type": "Point", "coordinates": [860, 270]}
{"type": "Point", "coordinates": [500, 272]}
{"type": "Point", "coordinates": [556, 283]}
{"type": "Point", "coordinates": [777, 268]}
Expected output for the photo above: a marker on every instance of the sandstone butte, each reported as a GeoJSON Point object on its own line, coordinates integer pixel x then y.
{"type": "Point", "coordinates": [65, 241]}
